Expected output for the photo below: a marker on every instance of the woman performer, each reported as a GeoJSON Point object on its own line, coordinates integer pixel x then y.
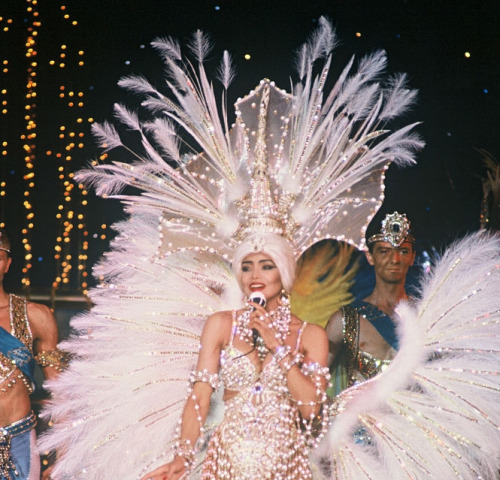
{"type": "Point", "coordinates": [273, 372]}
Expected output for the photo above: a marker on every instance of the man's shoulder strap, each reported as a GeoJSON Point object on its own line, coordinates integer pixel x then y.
{"type": "Point", "coordinates": [19, 320]}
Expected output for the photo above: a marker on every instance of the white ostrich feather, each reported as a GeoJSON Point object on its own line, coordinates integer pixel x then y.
{"type": "Point", "coordinates": [133, 354]}
{"type": "Point", "coordinates": [137, 84]}
{"type": "Point", "coordinates": [166, 137]}
{"type": "Point", "coordinates": [127, 117]}
{"type": "Point", "coordinates": [398, 97]}
{"type": "Point", "coordinates": [301, 61]}
{"type": "Point", "coordinates": [200, 46]}
{"type": "Point", "coordinates": [169, 47]}
{"type": "Point", "coordinates": [107, 135]}
{"type": "Point", "coordinates": [322, 41]}
{"type": "Point", "coordinates": [226, 72]}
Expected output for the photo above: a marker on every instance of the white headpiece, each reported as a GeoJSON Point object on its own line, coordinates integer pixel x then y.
{"type": "Point", "coordinates": [306, 165]}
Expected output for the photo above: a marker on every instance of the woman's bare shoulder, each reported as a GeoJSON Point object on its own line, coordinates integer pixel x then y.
{"type": "Point", "coordinates": [222, 316]}
{"type": "Point", "coordinates": [314, 330]}
{"type": "Point", "coordinates": [218, 327]}
{"type": "Point", "coordinates": [219, 320]}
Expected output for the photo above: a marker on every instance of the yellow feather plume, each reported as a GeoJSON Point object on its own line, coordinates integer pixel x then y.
{"type": "Point", "coordinates": [323, 281]}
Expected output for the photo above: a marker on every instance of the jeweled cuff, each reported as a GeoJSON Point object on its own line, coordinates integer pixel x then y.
{"type": "Point", "coordinates": [204, 376]}
{"type": "Point", "coordinates": [53, 358]}
{"type": "Point", "coordinates": [280, 353]}
{"type": "Point", "coordinates": [184, 449]}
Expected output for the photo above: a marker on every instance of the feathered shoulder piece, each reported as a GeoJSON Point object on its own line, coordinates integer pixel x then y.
{"type": "Point", "coordinates": [308, 164]}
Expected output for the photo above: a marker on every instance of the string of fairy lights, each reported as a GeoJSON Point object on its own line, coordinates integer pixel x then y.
{"type": "Point", "coordinates": [70, 140]}
{"type": "Point", "coordinates": [69, 129]}
{"type": "Point", "coordinates": [29, 136]}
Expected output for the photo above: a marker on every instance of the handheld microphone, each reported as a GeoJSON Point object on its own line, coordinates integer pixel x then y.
{"type": "Point", "coordinates": [259, 299]}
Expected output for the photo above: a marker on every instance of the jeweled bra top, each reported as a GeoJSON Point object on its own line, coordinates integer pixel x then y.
{"type": "Point", "coordinates": [238, 373]}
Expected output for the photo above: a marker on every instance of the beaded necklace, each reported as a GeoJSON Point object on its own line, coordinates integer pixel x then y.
{"type": "Point", "coordinates": [280, 320]}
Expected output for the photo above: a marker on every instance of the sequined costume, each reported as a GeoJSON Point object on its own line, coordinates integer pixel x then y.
{"type": "Point", "coordinates": [260, 436]}
{"type": "Point", "coordinates": [16, 348]}
{"type": "Point", "coordinates": [361, 365]}
{"type": "Point", "coordinates": [19, 457]}
{"type": "Point", "coordinates": [18, 454]}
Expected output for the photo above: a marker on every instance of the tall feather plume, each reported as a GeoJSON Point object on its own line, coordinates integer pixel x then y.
{"type": "Point", "coordinates": [137, 84]}
{"type": "Point", "coordinates": [226, 72]}
{"type": "Point", "coordinates": [166, 137]}
{"type": "Point", "coordinates": [200, 46]}
{"type": "Point", "coordinates": [127, 117]}
{"type": "Point", "coordinates": [399, 98]}
{"type": "Point", "coordinates": [168, 47]}
{"type": "Point", "coordinates": [322, 41]}
{"type": "Point", "coordinates": [369, 69]}
{"type": "Point", "coordinates": [107, 135]}
{"type": "Point", "coordinates": [301, 61]}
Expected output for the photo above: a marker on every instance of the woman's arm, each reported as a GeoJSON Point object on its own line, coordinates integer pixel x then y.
{"type": "Point", "coordinates": [197, 405]}
{"type": "Point", "coordinates": [309, 390]}
{"type": "Point", "coordinates": [334, 331]}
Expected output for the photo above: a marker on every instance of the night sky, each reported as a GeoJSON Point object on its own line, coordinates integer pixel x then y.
{"type": "Point", "coordinates": [458, 102]}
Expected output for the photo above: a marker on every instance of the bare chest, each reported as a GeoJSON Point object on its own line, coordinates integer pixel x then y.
{"type": "Point", "coordinates": [370, 341]}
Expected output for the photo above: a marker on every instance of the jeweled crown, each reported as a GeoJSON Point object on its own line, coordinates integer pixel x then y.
{"type": "Point", "coordinates": [395, 230]}
{"type": "Point", "coordinates": [266, 207]}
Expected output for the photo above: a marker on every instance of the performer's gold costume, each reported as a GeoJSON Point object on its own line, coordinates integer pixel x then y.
{"type": "Point", "coordinates": [260, 436]}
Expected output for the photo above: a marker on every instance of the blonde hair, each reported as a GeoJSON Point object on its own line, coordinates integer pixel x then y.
{"type": "Point", "coordinates": [273, 245]}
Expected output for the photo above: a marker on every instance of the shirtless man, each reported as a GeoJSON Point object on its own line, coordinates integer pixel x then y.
{"type": "Point", "coordinates": [28, 335]}
{"type": "Point", "coordinates": [362, 336]}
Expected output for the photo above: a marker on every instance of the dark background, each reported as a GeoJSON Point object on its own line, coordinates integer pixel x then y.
{"type": "Point", "coordinates": [458, 101]}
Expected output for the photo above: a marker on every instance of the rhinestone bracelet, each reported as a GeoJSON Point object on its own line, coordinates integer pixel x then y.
{"type": "Point", "coordinates": [280, 353]}
{"type": "Point", "coordinates": [204, 376]}
{"type": "Point", "coordinates": [184, 449]}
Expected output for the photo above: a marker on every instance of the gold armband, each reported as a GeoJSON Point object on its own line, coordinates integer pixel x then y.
{"type": "Point", "coordinates": [54, 358]}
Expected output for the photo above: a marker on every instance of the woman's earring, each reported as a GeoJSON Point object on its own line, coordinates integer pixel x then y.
{"type": "Point", "coordinates": [284, 297]}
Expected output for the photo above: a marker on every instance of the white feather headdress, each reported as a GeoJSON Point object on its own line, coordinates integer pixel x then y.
{"type": "Point", "coordinates": [311, 160]}
{"type": "Point", "coordinates": [305, 165]}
